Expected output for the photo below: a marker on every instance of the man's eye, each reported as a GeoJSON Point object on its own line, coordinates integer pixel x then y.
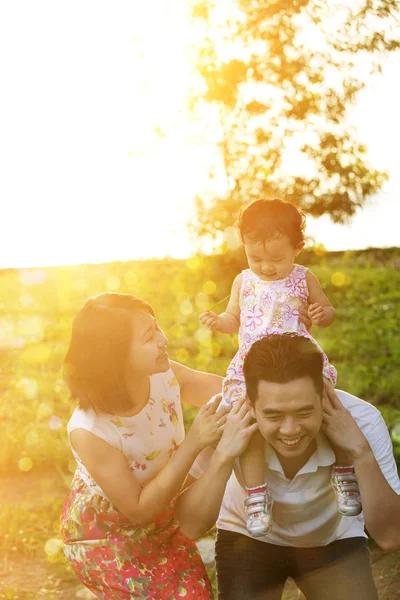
{"type": "Point", "coordinates": [273, 417]}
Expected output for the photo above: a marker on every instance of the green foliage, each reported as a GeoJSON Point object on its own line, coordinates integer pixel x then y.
{"type": "Point", "coordinates": [280, 77]}
{"type": "Point", "coordinates": [37, 308]}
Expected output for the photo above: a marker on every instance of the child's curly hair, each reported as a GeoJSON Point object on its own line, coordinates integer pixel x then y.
{"type": "Point", "coordinates": [263, 219]}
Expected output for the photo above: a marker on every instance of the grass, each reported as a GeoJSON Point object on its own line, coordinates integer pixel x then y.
{"type": "Point", "coordinates": [36, 311]}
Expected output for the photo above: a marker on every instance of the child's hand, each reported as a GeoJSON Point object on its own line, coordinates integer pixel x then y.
{"type": "Point", "coordinates": [209, 319]}
{"type": "Point", "coordinates": [316, 313]}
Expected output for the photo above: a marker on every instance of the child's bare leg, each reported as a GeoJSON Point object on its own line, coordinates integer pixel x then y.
{"type": "Point", "coordinates": [344, 481]}
{"type": "Point", "coordinates": [252, 462]}
{"type": "Point", "coordinates": [258, 502]}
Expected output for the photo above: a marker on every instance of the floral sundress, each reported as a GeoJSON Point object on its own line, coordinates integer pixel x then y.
{"type": "Point", "coordinates": [268, 307]}
{"type": "Point", "coordinates": [111, 555]}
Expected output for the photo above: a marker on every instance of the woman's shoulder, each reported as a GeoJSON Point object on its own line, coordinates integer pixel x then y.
{"type": "Point", "coordinates": [99, 424]}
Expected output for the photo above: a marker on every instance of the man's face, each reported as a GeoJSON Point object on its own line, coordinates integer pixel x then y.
{"type": "Point", "coordinates": [289, 416]}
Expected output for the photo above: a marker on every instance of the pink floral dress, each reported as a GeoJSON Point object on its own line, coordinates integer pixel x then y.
{"type": "Point", "coordinates": [111, 555]}
{"type": "Point", "coordinates": [268, 307]}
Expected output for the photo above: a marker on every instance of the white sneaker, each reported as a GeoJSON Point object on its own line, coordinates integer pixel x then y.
{"type": "Point", "coordinates": [344, 483]}
{"type": "Point", "coordinates": [259, 518]}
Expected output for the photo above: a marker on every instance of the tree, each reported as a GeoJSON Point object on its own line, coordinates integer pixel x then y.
{"type": "Point", "coordinates": [281, 76]}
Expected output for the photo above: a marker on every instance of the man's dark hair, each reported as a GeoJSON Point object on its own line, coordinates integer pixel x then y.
{"type": "Point", "coordinates": [94, 367]}
{"type": "Point", "coordinates": [281, 358]}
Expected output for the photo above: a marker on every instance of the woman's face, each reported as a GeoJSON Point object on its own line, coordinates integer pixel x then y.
{"type": "Point", "coordinates": [148, 351]}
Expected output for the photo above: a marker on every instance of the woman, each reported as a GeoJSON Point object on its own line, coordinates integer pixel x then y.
{"type": "Point", "coordinates": [119, 526]}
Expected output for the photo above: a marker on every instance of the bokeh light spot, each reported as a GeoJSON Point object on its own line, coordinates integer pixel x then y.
{"type": "Point", "coordinates": [193, 262]}
{"type": "Point", "coordinates": [203, 335]}
{"type": "Point", "coordinates": [52, 546]}
{"type": "Point", "coordinates": [113, 284]}
{"type": "Point", "coordinates": [29, 388]}
{"type": "Point", "coordinates": [29, 277]}
{"type": "Point", "coordinates": [55, 423]}
{"type": "Point", "coordinates": [44, 411]}
{"type": "Point", "coordinates": [181, 355]}
{"type": "Point", "coordinates": [26, 300]}
{"type": "Point", "coordinates": [186, 307]}
{"type": "Point", "coordinates": [209, 287]}
{"type": "Point", "coordinates": [25, 464]}
{"type": "Point", "coordinates": [130, 278]}
{"type": "Point", "coordinates": [201, 300]}
{"type": "Point", "coordinates": [32, 439]}
{"type": "Point", "coordinates": [339, 279]}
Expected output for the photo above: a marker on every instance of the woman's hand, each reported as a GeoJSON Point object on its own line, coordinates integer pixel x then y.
{"type": "Point", "coordinates": [237, 432]}
{"type": "Point", "coordinates": [208, 425]}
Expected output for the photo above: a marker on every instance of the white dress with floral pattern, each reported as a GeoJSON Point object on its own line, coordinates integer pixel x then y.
{"type": "Point", "coordinates": [111, 555]}
{"type": "Point", "coordinates": [268, 307]}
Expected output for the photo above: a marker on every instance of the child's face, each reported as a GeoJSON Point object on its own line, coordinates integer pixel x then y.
{"type": "Point", "coordinates": [272, 259]}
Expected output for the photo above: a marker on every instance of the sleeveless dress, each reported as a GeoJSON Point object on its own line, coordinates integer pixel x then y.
{"type": "Point", "coordinates": [111, 555]}
{"type": "Point", "coordinates": [268, 307]}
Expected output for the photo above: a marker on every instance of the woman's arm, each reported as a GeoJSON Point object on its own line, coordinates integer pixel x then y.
{"type": "Point", "coordinates": [320, 310]}
{"type": "Point", "coordinates": [228, 321]}
{"type": "Point", "coordinates": [110, 469]}
{"type": "Point", "coordinates": [199, 504]}
{"type": "Point", "coordinates": [196, 387]}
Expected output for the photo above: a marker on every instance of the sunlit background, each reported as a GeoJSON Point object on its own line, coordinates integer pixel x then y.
{"type": "Point", "coordinates": [99, 161]}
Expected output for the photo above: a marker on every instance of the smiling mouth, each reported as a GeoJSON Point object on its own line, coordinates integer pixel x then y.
{"type": "Point", "coordinates": [165, 355]}
{"type": "Point", "coordinates": [291, 442]}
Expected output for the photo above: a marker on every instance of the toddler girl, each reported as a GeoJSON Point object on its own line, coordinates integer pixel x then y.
{"type": "Point", "coordinates": [269, 298]}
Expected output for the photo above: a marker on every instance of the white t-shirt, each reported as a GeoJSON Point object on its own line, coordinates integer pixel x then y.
{"type": "Point", "coordinates": [305, 512]}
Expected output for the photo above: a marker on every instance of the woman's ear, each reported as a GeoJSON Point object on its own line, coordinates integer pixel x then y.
{"type": "Point", "coordinates": [298, 248]}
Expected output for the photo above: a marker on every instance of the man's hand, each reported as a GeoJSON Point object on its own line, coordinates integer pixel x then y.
{"type": "Point", "coordinates": [340, 427]}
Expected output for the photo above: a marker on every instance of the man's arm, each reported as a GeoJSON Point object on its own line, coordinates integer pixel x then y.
{"type": "Point", "coordinates": [199, 504]}
{"type": "Point", "coordinates": [196, 387]}
{"type": "Point", "coordinates": [381, 504]}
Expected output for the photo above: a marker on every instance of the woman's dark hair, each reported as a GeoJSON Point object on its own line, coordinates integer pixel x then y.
{"type": "Point", "coordinates": [261, 220]}
{"type": "Point", "coordinates": [94, 366]}
{"type": "Point", "coordinates": [282, 358]}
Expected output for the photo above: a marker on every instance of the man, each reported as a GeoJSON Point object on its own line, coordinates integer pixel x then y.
{"type": "Point", "coordinates": [325, 552]}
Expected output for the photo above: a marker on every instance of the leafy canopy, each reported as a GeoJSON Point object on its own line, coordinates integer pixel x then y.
{"type": "Point", "coordinates": [280, 76]}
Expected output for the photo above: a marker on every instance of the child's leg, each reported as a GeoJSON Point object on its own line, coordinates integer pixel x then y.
{"type": "Point", "coordinates": [252, 462]}
{"type": "Point", "coordinates": [258, 502]}
{"type": "Point", "coordinates": [344, 481]}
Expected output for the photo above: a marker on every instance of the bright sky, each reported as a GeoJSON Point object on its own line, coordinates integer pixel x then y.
{"type": "Point", "coordinates": [85, 178]}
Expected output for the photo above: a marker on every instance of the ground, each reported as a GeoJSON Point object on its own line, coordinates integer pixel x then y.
{"type": "Point", "coordinates": [26, 573]}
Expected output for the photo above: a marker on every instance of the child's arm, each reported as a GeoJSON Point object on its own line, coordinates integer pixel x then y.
{"type": "Point", "coordinates": [228, 321]}
{"type": "Point", "coordinates": [320, 310]}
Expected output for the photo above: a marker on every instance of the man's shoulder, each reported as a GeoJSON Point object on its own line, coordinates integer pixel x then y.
{"type": "Point", "coordinates": [363, 412]}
